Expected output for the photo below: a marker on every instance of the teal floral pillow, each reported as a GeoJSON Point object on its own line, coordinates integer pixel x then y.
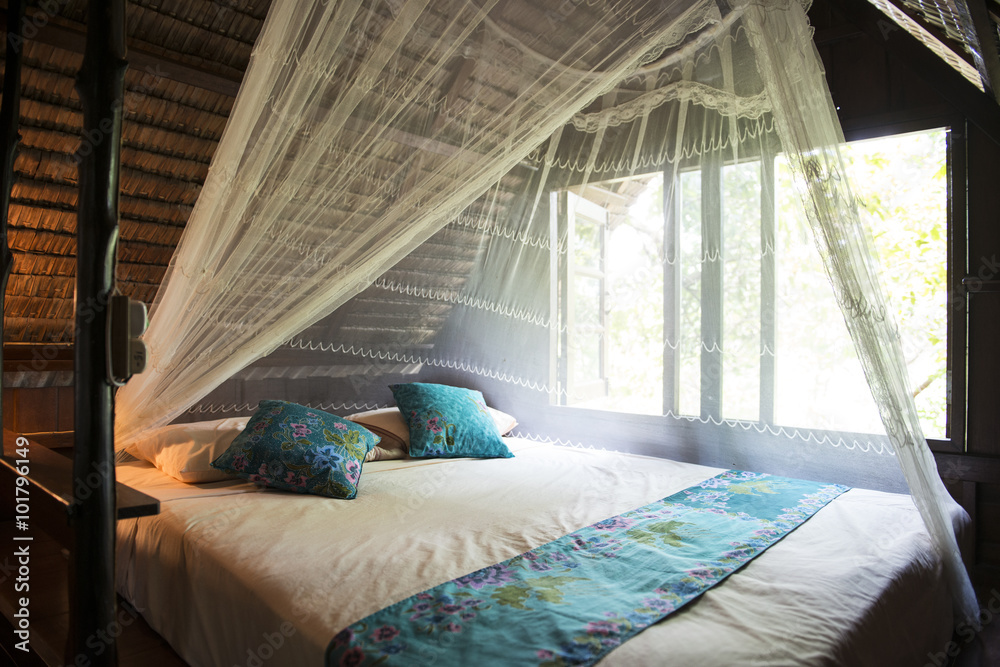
{"type": "Point", "coordinates": [295, 448]}
{"type": "Point", "coordinates": [448, 422]}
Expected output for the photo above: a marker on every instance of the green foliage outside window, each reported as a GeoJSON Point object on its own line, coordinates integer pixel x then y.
{"type": "Point", "coordinates": [900, 183]}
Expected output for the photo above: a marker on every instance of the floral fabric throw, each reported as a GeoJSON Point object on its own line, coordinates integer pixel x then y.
{"type": "Point", "coordinates": [573, 600]}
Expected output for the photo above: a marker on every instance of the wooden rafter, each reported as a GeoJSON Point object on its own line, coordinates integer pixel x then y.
{"type": "Point", "coordinates": [72, 37]}
{"type": "Point", "coordinates": [981, 37]}
{"type": "Point", "coordinates": [934, 29]}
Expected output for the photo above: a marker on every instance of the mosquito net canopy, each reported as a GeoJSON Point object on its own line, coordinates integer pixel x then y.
{"type": "Point", "coordinates": [446, 191]}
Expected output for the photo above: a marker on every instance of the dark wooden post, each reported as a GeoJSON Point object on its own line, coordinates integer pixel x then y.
{"type": "Point", "coordinates": [9, 112]}
{"type": "Point", "coordinates": [101, 86]}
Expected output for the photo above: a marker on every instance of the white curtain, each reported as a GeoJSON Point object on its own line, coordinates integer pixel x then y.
{"type": "Point", "coordinates": [782, 49]}
{"type": "Point", "coordinates": [366, 130]}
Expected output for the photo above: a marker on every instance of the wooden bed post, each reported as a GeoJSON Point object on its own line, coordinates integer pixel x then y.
{"type": "Point", "coordinates": [9, 113]}
{"type": "Point", "coordinates": [101, 85]}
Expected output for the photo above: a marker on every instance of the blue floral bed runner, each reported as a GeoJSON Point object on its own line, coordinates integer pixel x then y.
{"type": "Point", "coordinates": [573, 600]}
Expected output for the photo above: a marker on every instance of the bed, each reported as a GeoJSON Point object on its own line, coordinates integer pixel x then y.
{"type": "Point", "coordinates": [233, 574]}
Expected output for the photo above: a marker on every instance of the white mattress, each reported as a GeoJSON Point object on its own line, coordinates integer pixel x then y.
{"type": "Point", "coordinates": [226, 571]}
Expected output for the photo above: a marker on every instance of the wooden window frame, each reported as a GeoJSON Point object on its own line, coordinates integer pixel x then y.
{"type": "Point", "coordinates": [713, 288]}
{"type": "Point", "coordinates": [573, 390]}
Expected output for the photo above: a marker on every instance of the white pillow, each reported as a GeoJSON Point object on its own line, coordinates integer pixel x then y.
{"type": "Point", "coordinates": [389, 424]}
{"type": "Point", "coordinates": [185, 451]}
{"type": "Point", "coordinates": [505, 422]}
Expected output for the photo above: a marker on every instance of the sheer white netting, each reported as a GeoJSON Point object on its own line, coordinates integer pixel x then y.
{"type": "Point", "coordinates": [403, 190]}
{"type": "Point", "coordinates": [360, 128]}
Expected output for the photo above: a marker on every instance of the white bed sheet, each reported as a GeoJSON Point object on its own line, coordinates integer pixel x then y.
{"type": "Point", "coordinates": [227, 571]}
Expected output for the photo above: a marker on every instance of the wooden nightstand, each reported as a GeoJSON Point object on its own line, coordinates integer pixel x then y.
{"type": "Point", "coordinates": [49, 540]}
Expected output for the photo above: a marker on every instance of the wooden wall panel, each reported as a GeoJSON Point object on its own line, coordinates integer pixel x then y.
{"type": "Point", "coordinates": [984, 307]}
{"type": "Point", "coordinates": [873, 90]}
{"type": "Point", "coordinates": [984, 375]}
{"type": "Point", "coordinates": [857, 97]}
{"type": "Point", "coordinates": [988, 536]}
{"type": "Point", "coordinates": [65, 420]}
{"type": "Point", "coordinates": [9, 408]}
{"type": "Point", "coordinates": [38, 410]}
{"type": "Point", "coordinates": [984, 198]}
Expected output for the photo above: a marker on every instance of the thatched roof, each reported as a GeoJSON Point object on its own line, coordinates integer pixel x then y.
{"type": "Point", "coordinates": [187, 59]}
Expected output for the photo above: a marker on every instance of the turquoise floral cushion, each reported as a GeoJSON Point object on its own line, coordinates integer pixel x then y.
{"type": "Point", "coordinates": [448, 422]}
{"type": "Point", "coordinates": [295, 448]}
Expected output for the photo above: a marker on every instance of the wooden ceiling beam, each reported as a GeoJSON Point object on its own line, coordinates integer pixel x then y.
{"type": "Point", "coordinates": [72, 37]}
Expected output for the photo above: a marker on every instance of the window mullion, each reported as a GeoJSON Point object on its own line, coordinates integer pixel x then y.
{"type": "Point", "coordinates": [671, 290]}
{"type": "Point", "coordinates": [768, 287]}
{"type": "Point", "coordinates": [559, 299]}
{"type": "Point", "coordinates": [711, 287]}
{"type": "Point", "coordinates": [603, 316]}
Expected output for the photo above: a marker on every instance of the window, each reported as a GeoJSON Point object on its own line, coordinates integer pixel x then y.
{"type": "Point", "coordinates": [613, 310]}
{"type": "Point", "coordinates": [586, 312]}
{"type": "Point", "coordinates": [710, 301]}
{"type": "Point", "coordinates": [902, 185]}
